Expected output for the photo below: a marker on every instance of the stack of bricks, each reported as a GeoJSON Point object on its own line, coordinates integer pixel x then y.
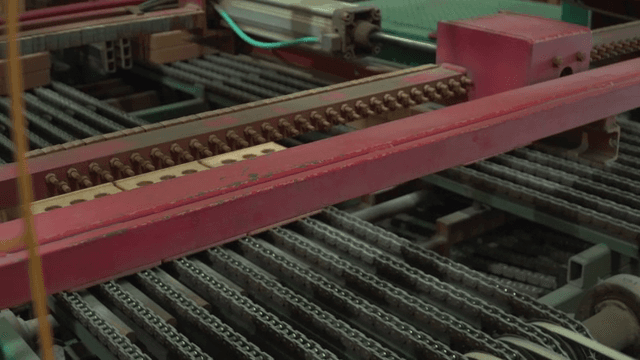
{"type": "Point", "coordinates": [167, 47]}
{"type": "Point", "coordinates": [36, 71]}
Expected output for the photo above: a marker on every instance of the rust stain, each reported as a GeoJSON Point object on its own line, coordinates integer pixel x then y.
{"type": "Point", "coordinates": [116, 233]}
{"type": "Point", "coordinates": [254, 177]}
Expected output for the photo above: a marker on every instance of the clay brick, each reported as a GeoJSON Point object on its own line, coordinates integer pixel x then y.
{"type": "Point", "coordinates": [73, 144]}
{"type": "Point", "coordinates": [132, 131]}
{"type": "Point", "coordinates": [114, 135]}
{"type": "Point", "coordinates": [173, 54]}
{"type": "Point", "coordinates": [34, 153]}
{"type": "Point", "coordinates": [30, 81]}
{"type": "Point", "coordinates": [152, 127]}
{"type": "Point", "coordinates": [169, 39]}
{"type": "Point", "coordinates": [188, 118]}
{"type": "Point", "coordinates": [169, 123]}
{"type": "Point", "coordinates": [93, 139]}
{"type": "Point", "coordinates": [30, 63]}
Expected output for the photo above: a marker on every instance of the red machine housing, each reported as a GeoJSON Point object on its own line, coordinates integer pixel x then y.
{"type": "Point", "coordinates": [508, 51]}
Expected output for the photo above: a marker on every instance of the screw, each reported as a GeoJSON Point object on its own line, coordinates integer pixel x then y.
{"type": "Point", "coordinates": [557, 61]}
{"type": "Point", "coordinates": [580, 56]}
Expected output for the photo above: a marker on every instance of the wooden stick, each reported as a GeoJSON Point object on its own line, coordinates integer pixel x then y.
{"type": "Point", "coordinates": [36, 278]}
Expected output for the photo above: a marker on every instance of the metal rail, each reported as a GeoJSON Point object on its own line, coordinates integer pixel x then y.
{"type": "Point", "coordinates": [196, 206]}
{"type": "Point", "coordinates": [239, 126]}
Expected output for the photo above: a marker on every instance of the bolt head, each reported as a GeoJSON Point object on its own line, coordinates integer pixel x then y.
{"type": "Point", "coordinates": [557, 61]}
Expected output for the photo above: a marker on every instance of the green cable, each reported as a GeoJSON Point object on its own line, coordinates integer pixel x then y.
{"type": "Point", "coordinates": [260, 44]}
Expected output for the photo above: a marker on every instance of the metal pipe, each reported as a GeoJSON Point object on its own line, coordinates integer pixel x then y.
{"type": "Point", "coordinates": [402, 42]}
{"type": "Point", "coordinates": [391, 207]}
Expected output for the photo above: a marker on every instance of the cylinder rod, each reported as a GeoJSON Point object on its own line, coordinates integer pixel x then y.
{"type": "Point", "coordinates": [402, 42]}
{"type": "Point", "coordinates": [392, 207]}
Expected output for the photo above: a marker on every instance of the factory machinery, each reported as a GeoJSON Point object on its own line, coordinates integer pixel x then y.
{"type": "Point", "coordinates": [244, 179]}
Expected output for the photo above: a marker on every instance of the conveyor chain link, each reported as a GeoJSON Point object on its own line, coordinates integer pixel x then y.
{"type": "Point", "coordinates": [306, 312]}
{"type": "Point", "coordinates": [564, 192]}
{"type": "Point", "coordinates": [443, 268]}
{"type": "Point", "coordinates": [551, 197]}
{"type": "Point", "coordinates": [105, 333]}
{"type": "Point", "coordinates": [229, 300]}
{"type": "Point", "coordinates": [494, 320]}
{"type": "Point", "coordinates": [348, 304]}
{"type": "Point", "coordinates": [164, 333]}
{"type": "Point", "coordinates": [463, 336]}
{"type": "Point", "coordinates": [584, 172]}
{"type": "Point", "coordinates": [215, 329]}
{"type": "Point", "coordinates": [597, 196]}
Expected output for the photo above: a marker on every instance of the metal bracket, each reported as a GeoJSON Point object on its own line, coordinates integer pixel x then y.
{"type": "Point", "coordinates": [463, 225]}
{"type": "Point", "coordinates": [585, 270]}
{"type": "Point", "coordinates": [596, 142]}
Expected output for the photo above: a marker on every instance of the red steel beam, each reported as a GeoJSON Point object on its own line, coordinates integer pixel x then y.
{"type": "Point", "coordinates": [74, 9]}
{"type": "Point", "coordinates": [68, 19]}
{"type": "Point", "coordinates": [126, 232]}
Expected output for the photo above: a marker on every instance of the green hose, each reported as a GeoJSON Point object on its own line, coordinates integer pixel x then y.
{"type": "Point", "coordinates": [260, 44]}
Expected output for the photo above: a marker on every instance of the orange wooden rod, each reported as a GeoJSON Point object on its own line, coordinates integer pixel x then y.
{"type": "Point", "coordinates": [36, 278]}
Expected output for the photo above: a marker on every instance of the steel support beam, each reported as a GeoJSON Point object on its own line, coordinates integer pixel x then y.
{"type": "Point", "coordinates": [116, 235]}
{"type": "Point", "coordinates": [527, 212]}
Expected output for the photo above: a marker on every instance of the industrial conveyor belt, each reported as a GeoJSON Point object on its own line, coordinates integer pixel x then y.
{"type": "Point", "coordinates": [605, 198]}
{"type": "Point", "coordinates": [327, 287]}
{"type": "Point", "coordinates": [527, 257]}
{"type": "Point", "coordinates": [59, 113]}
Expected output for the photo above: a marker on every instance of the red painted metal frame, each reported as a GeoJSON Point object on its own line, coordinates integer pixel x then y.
{"type": "Point", "coordinates": [42, 19]}
{"type": "Point", "coordinates": [117, 235]}
{"type": "Point", "coordinates": [69, 19]}
{"type": "Point", "coordinates": [72, 9]}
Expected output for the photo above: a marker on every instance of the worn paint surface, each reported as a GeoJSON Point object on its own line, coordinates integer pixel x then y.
{"type": "Point", "coordinates": [159, 220]}
{"type": "Point", "coordinates": [490, 46]}
{"type": "Point", "coordinates": [216, 123]}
